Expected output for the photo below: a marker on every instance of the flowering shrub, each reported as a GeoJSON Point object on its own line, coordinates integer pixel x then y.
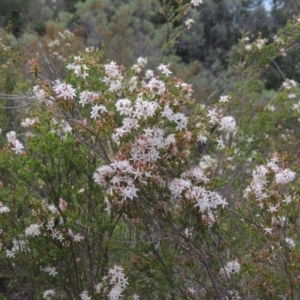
{"type": "Point", "coordinates": [108, 158]}
{"type": "Point", "coordinates": [120, 185]}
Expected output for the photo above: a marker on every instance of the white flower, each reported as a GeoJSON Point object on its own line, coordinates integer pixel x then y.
{"type": "Point", "coordinates": [115, 293]}
{"type": "Point", "coordinates": [18, 147]}
{"type": "Point", "coordinates": [77, 237]}
{"type": "Point", "coordinates": [89, 49]}
{"type": "Point", "coordinates": [221, 144]}
{"type": "Point", "coordinates": [248, 47]}
{"type": "Point", "coordinates": [181, 121]}
{"type": "Point", "coordinates": [58, 236]}
{"type": "Point", "coordinates": [84, 296]}
{"type": "Point", "coordinates": [79, 70]}
{"type": "Point", "coordinates": [232, 267]}
{"type": "Point", "coordinates": [287, 199]}
{"type": "Point", "coordinates": [289, 83]}
{"type": "Point", "coordinates": [96, 109]}
{"type": "Point", "coordinates": [268, 230]}
{"type": "Point", "coordinates": [133, 83]}
{"type": "Point", "coordinates": [48, 294]}
{"type": "Point", "coordinates": [164, 69]}
{"type": "Point", "coordinates": [53, 208]}
{"type": "Point", "coordinates": [235, 295]}
{"type": "Point", "coordinates": [156, 86]}
{"type": "Point", "coordinates": [117, 279]}
{"type": "Point", "coordinates": [196, 2]}
{"type": "Point", "coordinates": [3, 209]}
{"type": "Point", "coordinates": [98, 287]}
{"type": "Point", "coordinates": [87, 97]}
{"type": "Point", "coordinates": [64, 90]}
{"type": "Point", "coordinates": [206, 200]}
{"type": "Point", "coordinates": [270, 107]}
{"type": "Point", "coordinates": [273, 164]}
{"type": "Point", "coordinates": [291, 96]}
{"type": "Point", "coordinates": [50, 224]}
{"type": "Point", "coordinates": [228, 124]}
{"type": "Point", "coordinates": [39, 93]}
{"type": "Point", "coordinates": [225, 98]}
{"type": "Point", "coordinates": [291, 244]}
{"type": "Point", "coordinates": [278, 40]}
{"type": "Point", "coordinates": [149, 74]}
{"type": "Point", "coordinates": [115, 85]}
{"type": "Point", "coordinates": [177, 186]}
{"type": "Point", "coordinates": [136, 68]}
{"type": "Point", "coordinates": [51, 271]}
{"type": "Point", "coordinates": [191, 290]}
{"type": "Point", "coordinates": [272, 208]}
{"type": "Point", "coordinates": [297, 107]}
{"type": "Point", "coordinates": [206, 162]}
{"type": "Point", "coordinates": [285, 176]}
{"type": "Point", "coordinates": [202, 138]}
{"type": "Point", "coordinates": [124, 106]}
{"type": "Point", "coordinates": [189, 22]}
{"type": "Point", "coordinates": [249, 140]}
{"type": "Point", "coordinates": [111, 69]}
{"type": "Point", "coordinates": [213, 116]}
{"type": "Point", "coordinates": [129, 192]}
{"type": "Point", "coordinates": [142, 61]}
{"type": "Point", "coordinates": [260, 43]}
{"type": "Point", "coordinates": [282, 51]}
{"type": "Point", "coordinates": [10, 253]}
{"type": "Point", "coordinates": [122, 165]}
{"type": "Point", "coordinates": [168, 113]}
{"type": "Point", "coordinates": [33, 230]}
{"type": "Point", "coordinates": [11, 136]}
{"type": "Point", "coordinates": [144, 109]}
{"type": "Point", "coordinates": [18, 245]}
{"type": "Point", "coordinates": [117, 276]}
{"type": "Point", "coordinates": [28, 122]}
{"type": "Point", "coordinates": [198, 174]}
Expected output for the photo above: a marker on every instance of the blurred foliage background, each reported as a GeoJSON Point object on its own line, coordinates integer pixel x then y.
{"type": "Point", "coordinates": [203, 55]}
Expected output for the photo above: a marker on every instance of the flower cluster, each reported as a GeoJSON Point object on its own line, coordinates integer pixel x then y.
{"type": "Point", "coordinates": [51, 271]}
{"type": "Point", "coordinates": [130, 172]}
{"type": "Point", "coordinates": [259, 185]}
{"type": "Point", "coordinates": [18, 246]}
{"type": "Point", "coordinates": [206, 201]}
{"type": "Point", "coordinates": [17, 146]}
{"type": "Point", "coordinates": [116, 281]}
{"type": "Point", "coordinates": [189, 22]}
{"type": "Point", "coordinates": [79, 69]}
{"type": "Point", "coordinates": [289, 84]}
{"type": "Point", "coordinates": [3, 208]}
{"type": "Point", "coordinates": [64, 91]}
